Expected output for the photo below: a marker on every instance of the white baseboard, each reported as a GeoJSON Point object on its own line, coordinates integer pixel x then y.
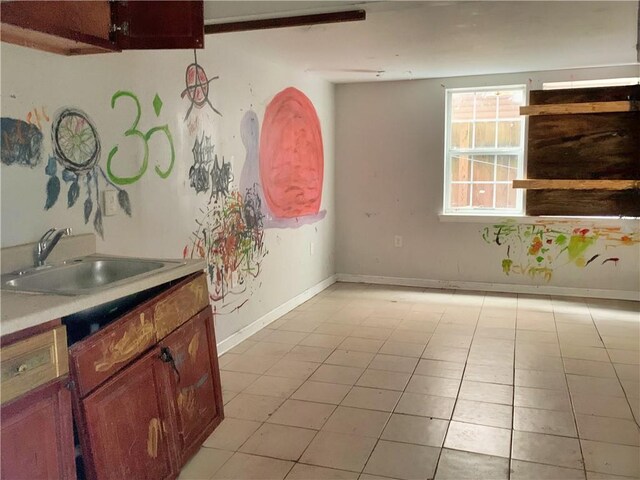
{"type": "Point", "coordinates": [244, 333]}
{"type": "Point", "coordinates": [492, 287]}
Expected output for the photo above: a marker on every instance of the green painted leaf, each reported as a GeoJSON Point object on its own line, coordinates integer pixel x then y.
{"type": "Point", "coordinates": [53, 191]}
{"type": "Point", "coordinates": [157, 105]}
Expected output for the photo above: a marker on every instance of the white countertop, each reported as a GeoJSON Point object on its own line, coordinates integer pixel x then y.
{"type": "Point", "coordinates": [23, 310]}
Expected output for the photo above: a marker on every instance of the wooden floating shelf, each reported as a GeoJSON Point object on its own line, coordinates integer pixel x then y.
{"type": "Point", "coordinates": [586, 107]}
{"type": "Point", "coordinates": [577, 184]}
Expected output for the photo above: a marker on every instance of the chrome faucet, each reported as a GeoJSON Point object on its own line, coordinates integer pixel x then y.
{"type": "Point", "coordinates": [47, 242]}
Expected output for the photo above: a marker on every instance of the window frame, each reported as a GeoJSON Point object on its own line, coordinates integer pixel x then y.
{"type": "Point", "coordinates": [447, 209]}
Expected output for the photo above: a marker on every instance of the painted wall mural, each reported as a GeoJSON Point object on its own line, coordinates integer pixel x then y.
{"type": "Point", "coordinates": [197, 87]}
{"type": "Point", "coordinates": [291, 157]}
{"type": "Point", "coordinates": [76, 149]}
{"type": "Point", "coordinates": [144, 137]}
{"type": "Point", "coordinates": [21, 143]}
{"type": "Point", "coordinates": [537, 250]}
{"type": "Point", "coordinates": [207, 173]}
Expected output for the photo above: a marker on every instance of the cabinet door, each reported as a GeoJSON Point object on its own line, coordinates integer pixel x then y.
{"type": "Point", "coordinates": [127, 427]}
{"type": "Point", "coordinates": [198, 397]}
{"type": "Point", "coordinates": [37, 435]}
{"type": "Point", "coordinates": [159, 24]}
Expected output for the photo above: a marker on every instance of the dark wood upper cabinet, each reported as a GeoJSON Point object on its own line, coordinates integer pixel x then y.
{"type": "Point", "coordinates": [71, 27]}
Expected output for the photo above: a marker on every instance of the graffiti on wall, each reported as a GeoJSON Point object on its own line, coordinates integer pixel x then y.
{"type": "Point", "coordinates": [207, 172]}
{"type": "Point", "coordinates": [197, 87]}
{"type": "Point", "coordinates": [76, 154]}
{"type": "Point", "coordinates": [21, 143]}
{"type": "Point", "coordinates": [291, 156]}
{"type": "Point", "coordinates": [144, 138]}
{"type": "Point", "coordinates": [538, 250]}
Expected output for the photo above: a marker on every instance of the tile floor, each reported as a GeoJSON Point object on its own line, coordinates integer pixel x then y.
{"type": "Point", "coordinates": [372, 382]}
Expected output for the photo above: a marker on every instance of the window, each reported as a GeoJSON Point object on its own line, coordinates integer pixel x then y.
{"type": "Point", "coordinates": [484, 150]}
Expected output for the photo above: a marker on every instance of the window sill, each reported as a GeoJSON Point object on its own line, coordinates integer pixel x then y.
{"type": "Point", "coordinates": [524, 219]}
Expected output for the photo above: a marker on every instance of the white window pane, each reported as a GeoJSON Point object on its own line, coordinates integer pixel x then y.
{"type": "Point", "coordinates": [485, 134]}
{"type": "Point", "coordinates": [461, 135]}
{"type": "Point", "coordinates": [483, 168]}
{"type": "Point", "coordinates": [462, 106]}
{"type": "Point", "coordinates": [460, 195]}
{"type": "Point", "coordinates": [486, 103]}
{"type": "Point", "coordinates": [509, 134]}
{"type": "Point", "coordinates": [460, 168]}
{"type": "Point", "coordinates": [505, 196]}
{"type": "Point", "coordinates": [482, 195]}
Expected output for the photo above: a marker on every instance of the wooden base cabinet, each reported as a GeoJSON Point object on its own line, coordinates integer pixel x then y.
{"type": "Point", "coordinates": [158, 407]}
{"type": "Point", "coordinates": [37, 435]}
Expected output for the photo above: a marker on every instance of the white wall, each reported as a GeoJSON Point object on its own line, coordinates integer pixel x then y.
{"type": "Point", "coordinates": [389, 171]}
{"type": "Point", "coordinates": [164, 211]}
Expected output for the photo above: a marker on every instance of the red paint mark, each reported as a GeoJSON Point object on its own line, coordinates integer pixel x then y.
{"type": "Point", "coordinates": [185, 252]}
{"type": "Point", "coordinates": [535, 247]}
{"type": "Point", "coordinates": [291, 155]}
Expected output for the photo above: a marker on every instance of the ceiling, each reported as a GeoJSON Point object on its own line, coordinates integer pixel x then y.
{"type": "Point", "coordinates": [429, 39]}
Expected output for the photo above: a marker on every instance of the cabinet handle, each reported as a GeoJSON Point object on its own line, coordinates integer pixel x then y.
{"type": "Point", "coordinates": [167, 357]}
{"type": "Point", "coordinates": [22, 368]}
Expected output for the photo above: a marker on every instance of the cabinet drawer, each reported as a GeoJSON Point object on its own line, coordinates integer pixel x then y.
{"type": "Point", "coordinates": [32, 362]}
{"type": "Point", "coordinates": [110, 350]}
{"type": "Point", "coordinates": [180, 305]}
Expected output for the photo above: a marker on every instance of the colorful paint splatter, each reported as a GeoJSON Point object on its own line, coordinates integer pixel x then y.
{"type": "Point", "coordinates": [21, 143]}
{"type": "Point", "coordinates": [230, 236]}
{"type": "Point", "coordinates": [537, 250]}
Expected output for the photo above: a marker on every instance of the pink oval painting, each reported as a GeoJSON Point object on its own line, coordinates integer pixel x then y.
{"type": "Point", "coordinates": [291, 155]}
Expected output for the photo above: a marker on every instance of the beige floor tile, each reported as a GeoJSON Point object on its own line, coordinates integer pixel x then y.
{"type": "Point", "coordinates": [274, 386]}
{"type": "Point", "coordinates": [269, 348]}
{"type": "Point", "coordinates": [296, 413]}
{"type": "Point", "coordinates": [594, 385]}
{"type": "Point", "coordinates": [402, 460]}
{"type": "Point", "coordinates": [486, 392]}
{"type": "Point", "coordinates": [611, 458]}
{"type": "Point", "coordinates": [304, 353]}
{"type": "Point", "coordinates": [228, 395]}
{"type": "Point", "coordinates": [374, 333]}
{"type": "Point", "coordinates": [372, 398]}
{"type": "Point", "coordinates": [252, 407]}
{"type": "Point", "coordinates": [322, 340]}
{"type": "Point", "coordinates": [494, 332]}
{"type": "Point", "coordinates": [403, 349]}
{"type": "Point", "coordinates": [284, 336]}
{"type": "Point", "coordinates": [338, 329]}
{"type": "Point", "coordinates": [442, 387]}
{"type": "Point", "coordinates": [482, 413]}
{"type": "Point", "coordinates": [546, 449]}
{"type": "Point", "coordinates": [544, 421]}
{"type": "Point", "coordinates": [540, 398]}
{"type": "Point", "coordinates": [257, 364]}
{"type": "Point", "coordinates": [231, 434]}
{"type": "Point", "coordinates": [292, 369]}
{"type": "Point", "coordinates": [410, 336]}
{"type": "Point", "coordinates": [300, 326]}
{"type": "Point", "coordinates": [394, 363]}
{"type": "Point", "coordinates": [356, 421]}
{"type": "Point", "coordinates": [204, 464]}
{"type": "Point", "coordinates": [251, 467]}
{"type": "Point", "coordinates": [242, 347]}
{"type": "Point", "coordinates": [589, 368]}
{"type": "Point", "coordinates": [418, 430]}
{"type": "Point", "coordinates": [338, 450]}
{"type": "Point", "coordinates": [447, 354]}
{"type": "Point", "coordinates": [536, 471]}
{"type": "Point", "coordinates": [580, 339]}
{"type": "Point", "coordinates": [384, 322]}
{"type": "Point", "coordinates": [528, 336]}
{"type": "Point", "coordinates": [478, 439]}
{"type": "Point", "coordinates": [236, 381]}
{"type": "Point", "coordinates": [610, 430]}
{"type": "Point", "coordinates": [489, 374]}
{"type": "Point", "coordinates": [418, 325]}
{"type": "Point", "coordinates": [451, 340]}
{"type": "Point", "coordinates": [607, 476]}
{"type": "Point", "coordinates": [627, 372]}
{"type": "Point", "coordinates": [438, 368]}
{"type": "Point", "coordinates": [362, 344]}
{"type": "Point", "coordinates": [383, 379]}
{"type": "Point", "coordinates": [350, 358]}
{"type": "Point", "coordinates": [321, 392]}
{"type": "Point", "coordinates": [629, 357]}
{"type": "Point", "coordinates": [425, 406]}
{"type": "Point", "coordinates": [585, 353]}
{"type": "Point", "coordinates": [535, 361]}
{"type": "Point", "coordinates": [602, 406]}
{"type": "Point", "coordinates": [540, 379]}
{"type": "Point", "coordinates": [337, 374]}
{"type": "Point", "coordinates": [226, 359]}
{"type": "Point", "coordinates": [260, 335]}
{"type": "Point", "coordinates": [311, 472]}
{"type": "Point", "coordinates": [278, 441]}
{"type": "Point", "coordinates": [459, 465]}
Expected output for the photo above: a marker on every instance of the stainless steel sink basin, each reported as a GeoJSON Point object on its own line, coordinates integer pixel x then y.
{"type": "Point", "coordinates": [84, 275]}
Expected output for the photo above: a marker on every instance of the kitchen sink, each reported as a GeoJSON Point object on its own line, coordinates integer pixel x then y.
{"type": "Point", "coordinates": [84, 275]}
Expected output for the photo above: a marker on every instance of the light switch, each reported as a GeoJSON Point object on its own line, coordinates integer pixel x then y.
{"type": "Point", "coordinates": [110, 202]}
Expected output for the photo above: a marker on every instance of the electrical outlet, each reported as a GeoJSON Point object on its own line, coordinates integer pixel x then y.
{"type": "Point", "coordinates": [110, 202]}
{"type": "Point", "coordinates": [311, 249]}
{"type": "Point", "coordinates": [397, 241]}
